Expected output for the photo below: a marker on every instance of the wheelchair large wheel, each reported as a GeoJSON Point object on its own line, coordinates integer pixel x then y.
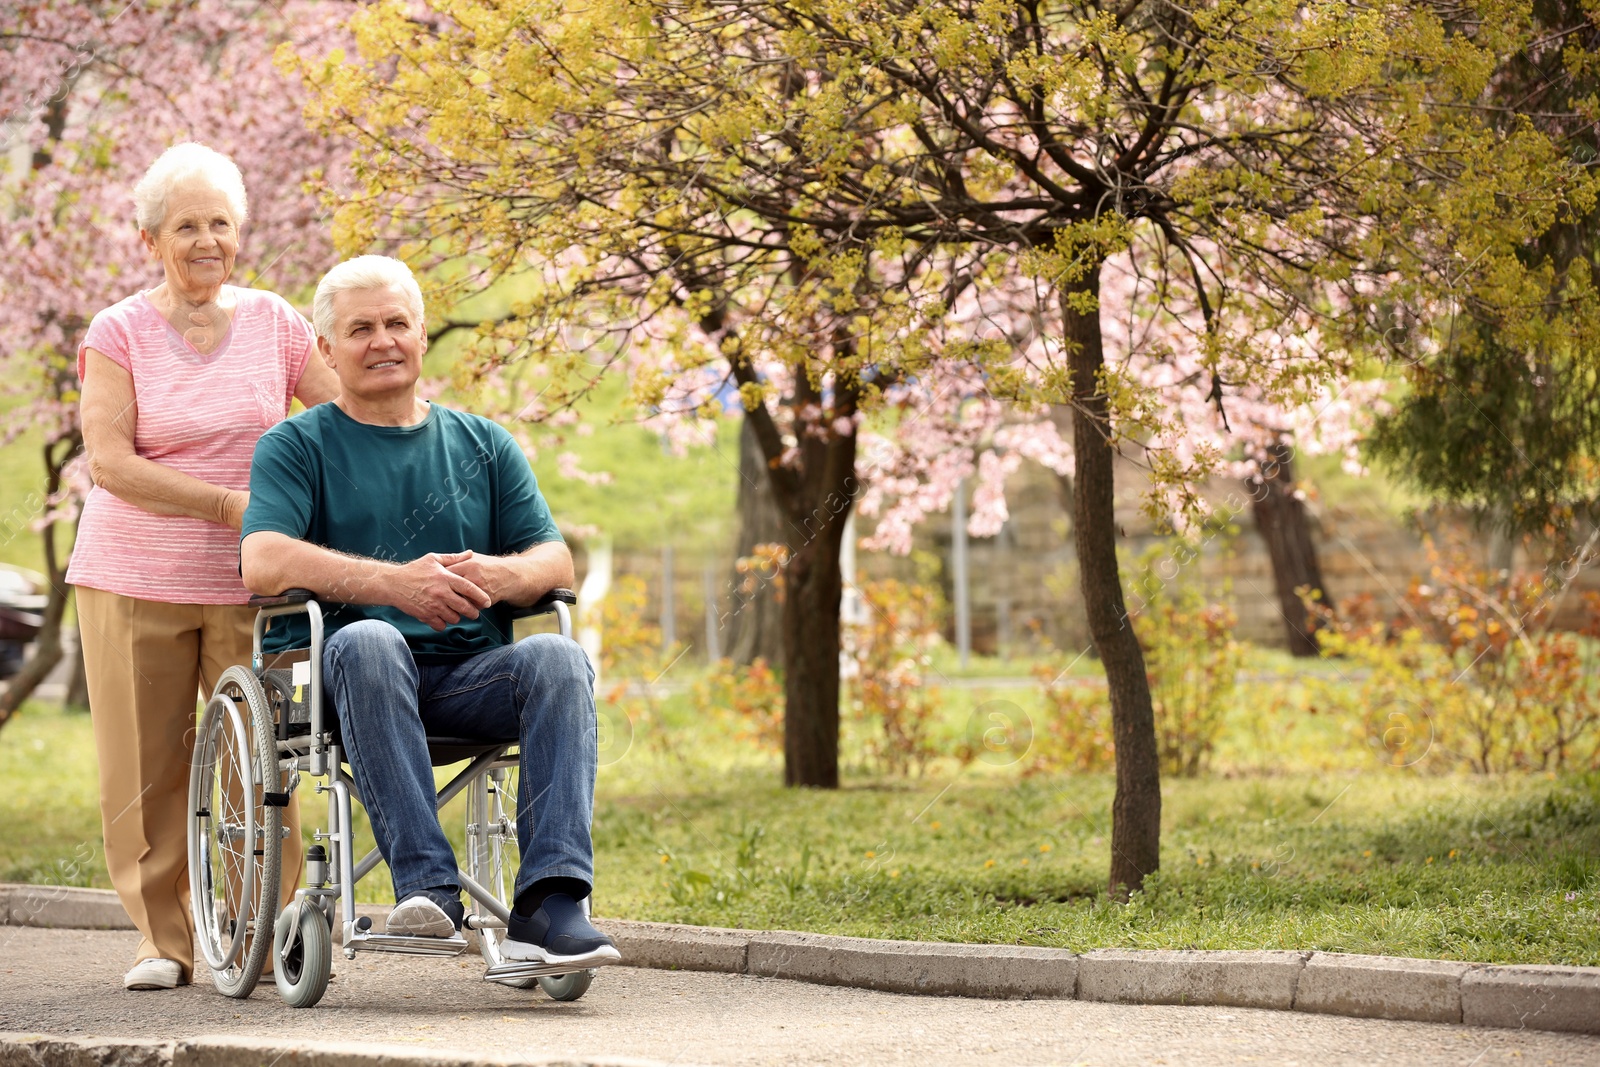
{"type": "Point", "coordinates": [235, 838]}
{"type": "Point", "coordinates": [302, 972]}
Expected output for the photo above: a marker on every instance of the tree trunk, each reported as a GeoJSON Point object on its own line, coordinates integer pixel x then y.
{"type": "Point", "coordinates": [46, 651]}
{"type": "Point", "coordinates": [1285, 527]}
{"type": "Point", "coordinates": [815, 506]}
{"type": "Point", "coordinates": [754, 618]}
{"type": "Point", "coordinates": [811, 592]}
{"type": "Point", "coordinates": [1502, 541]}
{"type": "Point", "coordinates": [814, 489]}
{"type": "Point", "coordinates": [1136, 808]}
{"type": "Point", "coordinates": [47, 645]}
{"type": "Point", "coordinates": [77, 681]}
{"type": "Point", "coordinates": [58, 452]}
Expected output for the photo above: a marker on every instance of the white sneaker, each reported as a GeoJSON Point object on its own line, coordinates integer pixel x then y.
{"type": "Point", "coordinates": [418, 916]}
{"type": "Point", "coordinates": [153, 974]}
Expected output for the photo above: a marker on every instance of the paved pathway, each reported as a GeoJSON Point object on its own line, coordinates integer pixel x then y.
{"type": "Point", "coordinates": [67, 983]}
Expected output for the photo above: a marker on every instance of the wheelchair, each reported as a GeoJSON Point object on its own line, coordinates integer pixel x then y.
{"type": "Point", "coordinates": [264, 727]}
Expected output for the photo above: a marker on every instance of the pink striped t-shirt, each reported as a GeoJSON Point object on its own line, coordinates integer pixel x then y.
{"type": "Point", "coordinates": [198, 414]}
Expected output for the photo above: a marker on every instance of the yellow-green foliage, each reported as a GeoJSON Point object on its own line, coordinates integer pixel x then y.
{"type": "Point", "coordinates": [815, 181]}
{"type": "Point", "coordinates": [1192, 661]}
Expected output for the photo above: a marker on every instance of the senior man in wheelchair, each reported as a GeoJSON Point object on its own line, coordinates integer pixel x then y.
{"type": "Point", "coordinates": [422, 527]}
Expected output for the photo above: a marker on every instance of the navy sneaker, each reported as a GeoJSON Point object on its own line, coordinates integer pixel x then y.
{"type": "Point", "coordinates": [558, 932]}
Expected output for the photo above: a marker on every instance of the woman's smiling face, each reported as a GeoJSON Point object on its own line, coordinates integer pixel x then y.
{"type": "Point", "coordinates": [197, 240]}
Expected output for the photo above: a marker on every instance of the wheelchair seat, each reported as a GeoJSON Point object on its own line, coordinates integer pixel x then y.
{"type": "Point", "coordinates": [447, 750]}
{"type": "Point", "coordinates": [295, 722]}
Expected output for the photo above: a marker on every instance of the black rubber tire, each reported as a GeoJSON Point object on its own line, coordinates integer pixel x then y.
{"type": "Point", "coordinates": [238, 707]}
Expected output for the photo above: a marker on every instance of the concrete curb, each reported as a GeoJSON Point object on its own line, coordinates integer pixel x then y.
{"type": "Point", "coordinates": [67, 907]}
{"type": "Point", "coordinates": [32, 1050]}
{"type": "Point", "coordinates": [670, 947]}
{"type": "Point", "coordinates": [1535, 998]}
{"type": "Point", "coordinates": [1160, 976]}
{"type": "Point", "coordinates": [994, 971]}
{"type": "Point", "coordinates": [1370, 987]}
{"type": "Point", "coordinates": [1382, 987]}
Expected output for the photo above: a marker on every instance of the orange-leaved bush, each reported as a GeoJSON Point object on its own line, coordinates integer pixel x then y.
{"type": "Point", "coordinates": [1470, 667]}
{"type": "Point", "coordinates": [889, 651]}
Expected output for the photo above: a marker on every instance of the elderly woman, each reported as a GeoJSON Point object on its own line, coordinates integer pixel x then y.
{"type": "Point", "coordinates": [178, 383]}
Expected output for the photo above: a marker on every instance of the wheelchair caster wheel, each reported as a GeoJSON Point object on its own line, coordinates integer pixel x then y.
{"type": "Point", "coordinates": [567, 986]}
{"type": "Point", "coordinates": [302, 972]}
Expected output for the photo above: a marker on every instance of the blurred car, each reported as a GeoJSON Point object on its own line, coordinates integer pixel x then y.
{"type": "Point", "coordinates": [22, 601]}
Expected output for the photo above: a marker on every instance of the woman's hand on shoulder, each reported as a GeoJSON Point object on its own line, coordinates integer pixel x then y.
{"type": "Point", "coordinates": [318, 384]}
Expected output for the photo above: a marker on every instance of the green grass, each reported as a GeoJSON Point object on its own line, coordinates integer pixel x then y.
{"type": "Point", "coordinates": [21, 496]}
{"type": "Point", "coordinates": [50, 807]}
{"type": "Point", "coordinates": [692, 827]}
{"type": "Point", "coordinates": [1443, 867]}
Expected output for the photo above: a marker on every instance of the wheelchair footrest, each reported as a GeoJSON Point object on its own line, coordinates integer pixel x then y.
{"type": "Point", "coordinates": [512, 970]}
{"type": "Point", "coordinates": [405, 944]}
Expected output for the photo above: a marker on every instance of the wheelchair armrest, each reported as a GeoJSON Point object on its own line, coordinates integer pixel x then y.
{"type": "Point", "coordinates": [546, 604]}
{"type": "Point", "coordinates": [288, 596]}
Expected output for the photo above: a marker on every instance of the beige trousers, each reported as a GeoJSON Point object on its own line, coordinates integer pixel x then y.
{"type": "Point", "coordinates": [146, 662]}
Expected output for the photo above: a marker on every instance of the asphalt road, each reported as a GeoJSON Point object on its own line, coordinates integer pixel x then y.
{"type": "Point", "coordinates": [68, 983]}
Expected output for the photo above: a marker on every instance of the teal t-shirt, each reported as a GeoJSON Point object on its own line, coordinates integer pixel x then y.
{"type": "Point", "coordinates": [451, 482]}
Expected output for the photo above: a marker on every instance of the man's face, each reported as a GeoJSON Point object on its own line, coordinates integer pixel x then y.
{"type": "Point", "coordinates": [377, 343]}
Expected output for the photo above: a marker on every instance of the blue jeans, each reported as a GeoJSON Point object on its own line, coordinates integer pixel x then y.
{"type": "Point", "coordinates": [539, 690]}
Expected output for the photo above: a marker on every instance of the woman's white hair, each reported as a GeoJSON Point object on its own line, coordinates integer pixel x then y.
{"type": "Point", "coordinates": [181, 163]}
{"type": "Point", "coordinates": [362, 273]}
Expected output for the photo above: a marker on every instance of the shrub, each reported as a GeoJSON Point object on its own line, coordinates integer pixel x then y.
{"type": "Point", "coordinates": [1077, 731]}
{"type": "Point", "coordinates": [752, 695]}
{"type": "Point", "coordinates": [1470, 665]}
{"type": "Point", "coordinates": [632, 659]}
{"type": "Point", "coordinates": [1192, 662]}
{"type": "Point", "coordinates": [889, 653]}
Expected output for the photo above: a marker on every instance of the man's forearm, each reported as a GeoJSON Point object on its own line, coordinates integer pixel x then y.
{"type": "Point", "coordinates": [273, 562]}
{"type": "Point", "coordinates": [533, 573]}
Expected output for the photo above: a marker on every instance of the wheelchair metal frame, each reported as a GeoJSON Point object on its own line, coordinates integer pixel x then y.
{"type": "Point", "coordinates": [318, 754]}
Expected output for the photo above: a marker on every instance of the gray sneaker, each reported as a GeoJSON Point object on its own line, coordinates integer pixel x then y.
{"type": "Point", "coordinates": [418, 916]}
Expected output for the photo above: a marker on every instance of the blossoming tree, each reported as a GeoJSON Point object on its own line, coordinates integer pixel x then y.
{"type": "Point", "coordinates": [966, 434]}
{"type": "Point", "coordinates": [92, 93]}
{"type": "Point", "coordinates": [797, 197]}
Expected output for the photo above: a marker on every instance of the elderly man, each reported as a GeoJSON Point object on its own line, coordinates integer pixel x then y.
{"type": "Point", "coordinates": [426, 525]}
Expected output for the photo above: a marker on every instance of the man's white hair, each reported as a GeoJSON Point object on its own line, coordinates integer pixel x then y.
{"type": "Point", "coordinates": [362, 273]}
{"type": "Point", "coordinates": [181, 163]}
